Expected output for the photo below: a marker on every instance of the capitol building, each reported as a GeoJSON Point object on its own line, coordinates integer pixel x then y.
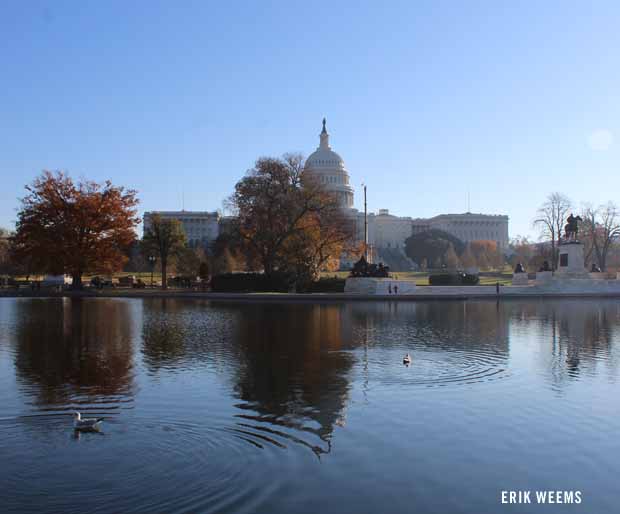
{"type": "Point", "coordinates": [386, 233]}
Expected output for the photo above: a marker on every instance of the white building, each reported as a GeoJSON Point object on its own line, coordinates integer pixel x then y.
{"type": "Point", "coordinates": [200, 227]}
{"type": "Point", "coordinates": [387, 233]}
{"type": "Point", "coordinates": [474, 227]}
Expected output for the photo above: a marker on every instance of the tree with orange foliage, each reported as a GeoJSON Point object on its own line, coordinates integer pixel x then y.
{"type": "Point", "coordinates": [67, 228]}
{"type": "Point", "coordinates": [287, 222]}
{"type": "Point", "coordinates": [486, 253]}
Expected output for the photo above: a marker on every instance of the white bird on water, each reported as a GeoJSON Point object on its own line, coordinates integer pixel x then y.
{"type": "Point", "coordinates": [86, 423]}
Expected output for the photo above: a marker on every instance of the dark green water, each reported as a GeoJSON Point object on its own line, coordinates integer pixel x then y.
{"type": "Point", "coordinates": [306, 408]}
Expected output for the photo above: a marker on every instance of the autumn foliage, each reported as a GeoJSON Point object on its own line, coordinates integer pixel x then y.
{"type": "Point", "coordinates": [70, 228]}
{"type": "Point", "coordinates": [287, 222]}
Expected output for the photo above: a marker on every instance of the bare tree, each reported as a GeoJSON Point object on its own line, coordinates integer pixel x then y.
{"type": "Point", "coordinates": [602, 228]}
{"type": "Point", "coordinates": [588, 231]}
{"type": "Point", "coordinates": [550, 220]}
{"type": "Point", "coordinates": [164, 239]}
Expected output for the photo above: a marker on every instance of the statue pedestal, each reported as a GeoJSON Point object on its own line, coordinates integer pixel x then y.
{"type": "Point", "coordinates": [571, 259]}
{"type": "Point", "coordinates": [543, 277]}
{"type": "Point", "coordinates": [520, 279]}
{"type": "Point", "coordinates": [378, 286]}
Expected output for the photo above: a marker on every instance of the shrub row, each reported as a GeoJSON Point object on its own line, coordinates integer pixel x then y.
{"type": "Point", "coordinates": [274, 283]}
{"type": "Point", "coordinates": [325, 285]}
{"type": "Point", "coordinates": [453, 279]}
{"type": "Point", "coordinates": [251, 282]}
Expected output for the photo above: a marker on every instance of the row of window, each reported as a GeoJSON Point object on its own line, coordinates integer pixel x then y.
{"type": "Point", "coordinates": [334, 179]}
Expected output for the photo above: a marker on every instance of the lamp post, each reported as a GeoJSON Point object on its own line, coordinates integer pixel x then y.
{"type": "Point", "coordinates": [152, 260]}
{"type": "Point", "coordinates": [365, 225]}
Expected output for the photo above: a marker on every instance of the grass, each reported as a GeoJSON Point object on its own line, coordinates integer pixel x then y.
{"type": "Point", "coordinates": [488, 278]}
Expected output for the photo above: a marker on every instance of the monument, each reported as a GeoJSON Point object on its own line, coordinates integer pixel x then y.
{"type": "Point", "coordinates": [520, 277]}
{"type": "Point", "coordinates": [375, 279]}
{"type": "Point", "coordinates": [570, 251]}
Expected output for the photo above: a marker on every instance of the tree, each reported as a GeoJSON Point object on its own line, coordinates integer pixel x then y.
{"type": "Point", "coordinates": [523, 251]}
{"type": "Point", "coordinates": [203, 273]}
{"type": "Point", "coordinates": [432, 246]}
{"type": "Point", "coordinates": [5, 257]}
{"type": "Point", "coordinates": [451, 260]}
{"type": "Point", "coordinates": [468, 260]}
{"type": "Point", "coordinates": [601, 227]}
{"type": "Point", "coordinates": [188, 261]}
{"type": "Point", "coordinates": [225, 262]}
{"type": "Point", "coordinates": [164, 238]}
{"type": "Point", "coordinates": [70, 228]}
{"type": "Point", "coordinates": [484, 252]}
{"type": "Point", "coordinates": [550, 220]}
{"type": "Point", "coordinates": [288, 222]}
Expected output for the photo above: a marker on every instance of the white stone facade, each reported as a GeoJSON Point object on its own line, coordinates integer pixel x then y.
{"type": "Point", "coordinates": [379, 286]}
{"type": "Point", "coordinates": [473, 227]}
{"type": "Point", "coordinates": [200, 227]}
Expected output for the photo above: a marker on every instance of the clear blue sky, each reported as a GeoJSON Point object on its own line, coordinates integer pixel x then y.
{"type": "Point", "coordinates": [424, 100]}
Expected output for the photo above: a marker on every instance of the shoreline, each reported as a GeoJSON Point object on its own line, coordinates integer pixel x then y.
{"type": "Point", "coordinates": [449, 293]}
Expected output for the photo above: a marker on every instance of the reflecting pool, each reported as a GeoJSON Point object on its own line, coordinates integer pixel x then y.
{"type": "Point", "coordinates": [307, 407]}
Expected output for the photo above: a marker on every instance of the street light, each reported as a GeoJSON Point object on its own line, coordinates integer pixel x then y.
{"type": "Point", "coordinates": [365, 225]}
{"type": "Point", "coordinates": [152, 260]}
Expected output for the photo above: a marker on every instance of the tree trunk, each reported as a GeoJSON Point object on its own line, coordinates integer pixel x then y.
{"type": "Point", "coordinates": [164, 277]}
{"type": "Point", "coordinates": [76, 280]}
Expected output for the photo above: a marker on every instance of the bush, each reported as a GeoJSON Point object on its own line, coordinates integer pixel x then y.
{"type": "Point", "coordinates": [453, 279]}
{"type": "Point", "coordinates": [325, 285]}
{"type": "Point", "coordinates": [181, 281]}
{"type": "Point", "coordinates": [468, 279]}
{"type": "Point", "coordinates": [251, 282]}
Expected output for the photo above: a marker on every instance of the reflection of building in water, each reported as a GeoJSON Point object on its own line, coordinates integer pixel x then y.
{"type": "Point", "coordinates": [68, 346]}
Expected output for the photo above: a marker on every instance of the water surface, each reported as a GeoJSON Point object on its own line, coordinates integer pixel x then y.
{"type": "Point", "coordinates": [305, 408]}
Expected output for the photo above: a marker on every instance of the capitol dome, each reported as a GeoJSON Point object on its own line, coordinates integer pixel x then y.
{"type": "Point", "coordinates": [327, 167]}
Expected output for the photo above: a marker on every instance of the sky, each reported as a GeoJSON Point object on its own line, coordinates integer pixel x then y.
{"type": "Point", "coordinates": [427, 102]}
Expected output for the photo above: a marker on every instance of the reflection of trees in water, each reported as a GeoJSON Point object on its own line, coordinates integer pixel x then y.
{"type": "Point", "coordinates": [284, 359]}
{"type": "Point", "coordinates": [580, 333]}
{"type": "Point", "coordinates": [68, 346]}
{"type": "Point", "coordinates": [292, 371]}
{"type": "Point", "coordinates": [177, 333]}
{"type": "Point", "coordinates": [440, 325]}
{"type": "Point", "coordinates": [163, 333]}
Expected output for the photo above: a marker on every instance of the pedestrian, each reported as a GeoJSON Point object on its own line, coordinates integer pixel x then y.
{"type": "Point", "coordinates": [395, 289]}
{"type": "Point", "coordinates": [497, 287]}
{"type": "Point", "coordinates": [390, 288]}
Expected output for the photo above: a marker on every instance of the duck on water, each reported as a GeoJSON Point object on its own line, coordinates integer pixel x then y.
{"type": "Point", "coordinates": [86, 423]}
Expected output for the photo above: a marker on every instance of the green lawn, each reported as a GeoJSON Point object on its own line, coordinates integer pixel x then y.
{"type": "Point", "coordinates": [421, 277]}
